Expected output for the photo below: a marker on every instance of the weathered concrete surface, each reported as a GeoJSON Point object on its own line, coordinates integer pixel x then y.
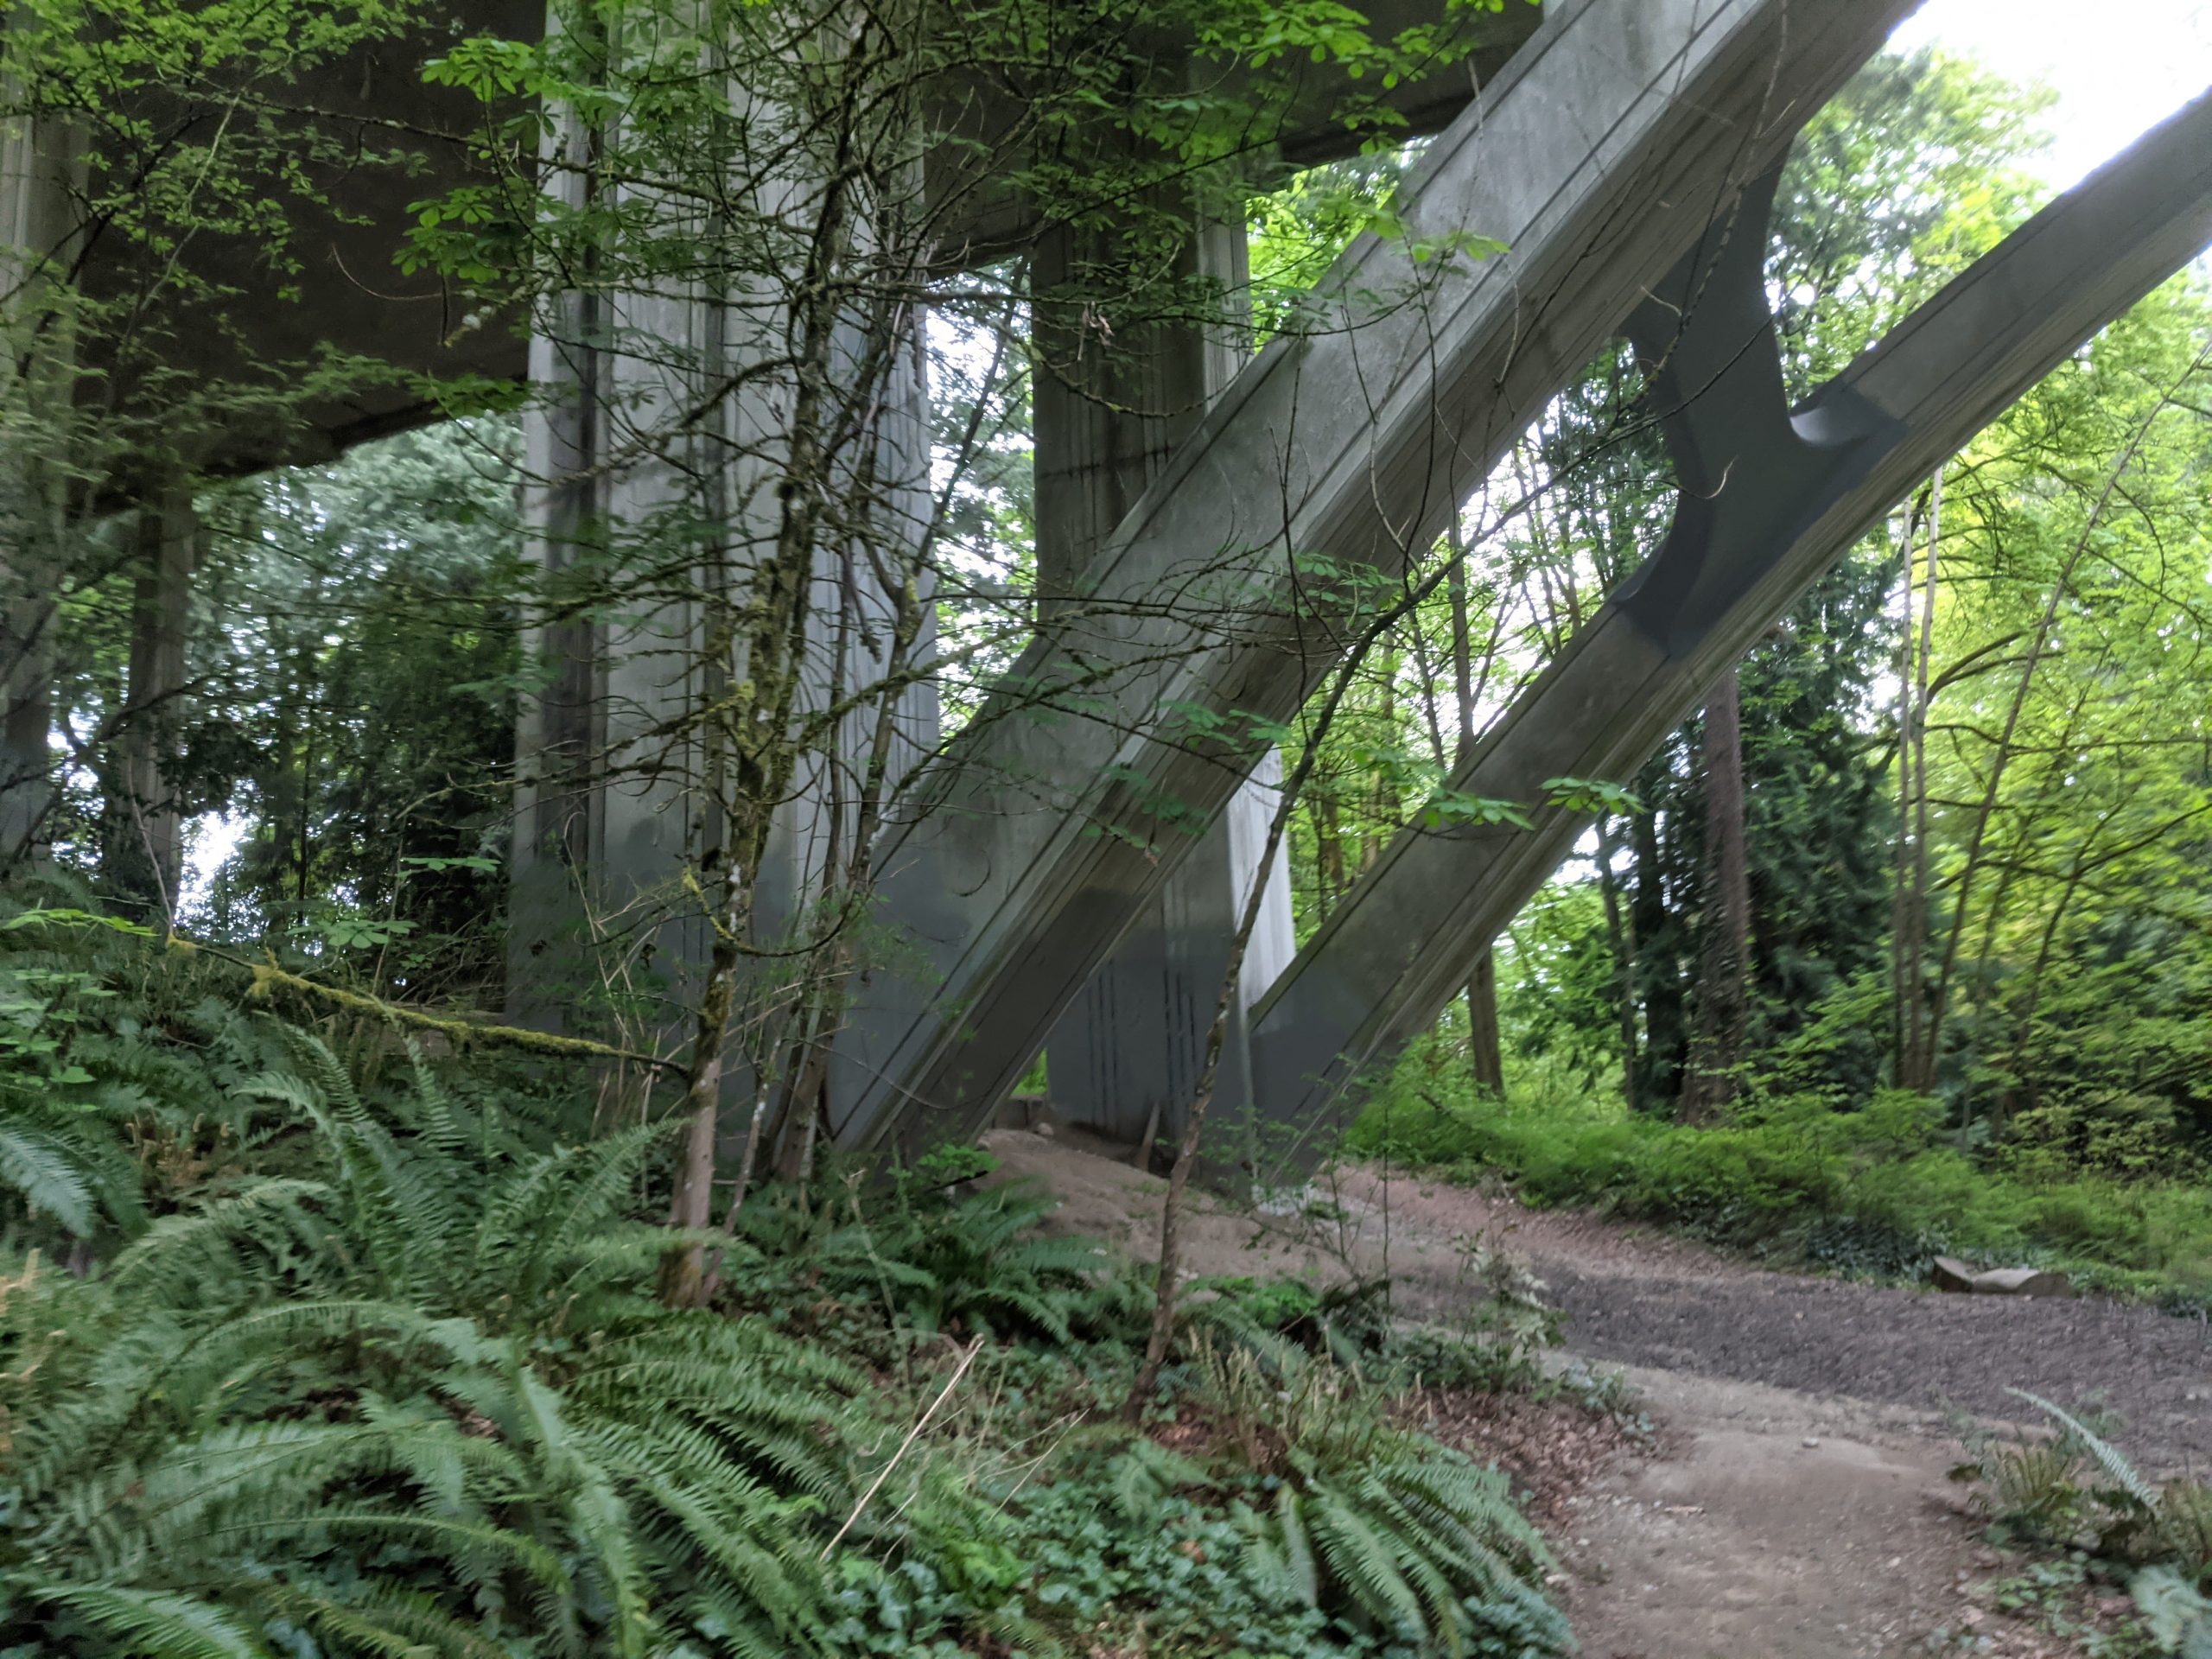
{"type": "Point", "coordinates": [349, 215]}
{"type": "Point", "coordinates": [351, 297]}
{"type": "Point", "coordinates": [638, 454]}
{"type": "Point", "coordinates": [1403, 941]}
{"type": "Point", "coordinates": [42, 171]}
{"type": "Point", "coordinates": [1596, 157]}
{"type": "Point", "coordinates": [1127, 1053]}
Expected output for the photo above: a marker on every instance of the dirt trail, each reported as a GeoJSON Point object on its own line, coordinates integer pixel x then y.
{"type": "Point", "coordinates": [1797, 1505]}
{"type": "Point", "coordinates": [1636, 1298]}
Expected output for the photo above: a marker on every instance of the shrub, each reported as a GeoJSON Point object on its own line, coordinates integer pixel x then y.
{"type": "Point", "coordinates": [1871, 1190]}
{"type": "Point", "coordinates": [1355, 1515]}
{"type": "Point", "coordinates": [2075, 1490]}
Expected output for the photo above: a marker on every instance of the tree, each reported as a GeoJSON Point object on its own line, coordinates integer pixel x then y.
{"type": "Point", "coordinates": [1724, 920]}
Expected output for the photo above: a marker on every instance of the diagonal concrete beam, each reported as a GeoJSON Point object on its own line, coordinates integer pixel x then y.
{"type": "Point", "coordinates": [1769, 500]}
{"type": "Point", "coordinates": [1598, 156]}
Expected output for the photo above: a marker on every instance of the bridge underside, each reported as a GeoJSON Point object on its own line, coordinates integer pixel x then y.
{"type": "Point", "coordinates": [1770, 498]}
{"type": "Point", "coordinates": [261, 325]}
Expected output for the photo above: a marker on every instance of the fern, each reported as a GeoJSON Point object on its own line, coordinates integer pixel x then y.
{"type": "Point", "coordinates": [352, 1403]}
{"type": "Point", "coordinates": [2164, 1531]}
{"type": "Point", "coordinates": [157, 1624]}
{"type": "Point", "coordinates": [1368, 1519]}
{"type": "Point", "coordinates": [2107, 1458]}
{"type": "Point", "coordinates": [932, 1265]}
{"type": "Point", "coordinates": [43, 1174]}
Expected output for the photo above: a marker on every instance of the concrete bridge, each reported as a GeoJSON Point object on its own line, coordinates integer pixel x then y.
{"type": "Point", "coordinates": [1042, 878]}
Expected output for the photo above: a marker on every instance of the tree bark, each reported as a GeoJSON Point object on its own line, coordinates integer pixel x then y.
{"type": "Point", "coordinates": [144, 854]}
{"type": "Point", "coordinates": [1623, 944]}
{"type": "Point", "coordinates": [1915, 1065]}
{"type": "Point", "coordinates": [1485, 1054]}
{"type": "Point", "coordinates": [1658, 978]}
{"type": "Point", "coordinates": [1724, 933]}
{"type": "Point", "coordinates": [1485, 1049]}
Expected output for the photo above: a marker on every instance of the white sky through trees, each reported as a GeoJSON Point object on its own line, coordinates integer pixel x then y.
{"type": "Point", "coordinates": [2119, 66]}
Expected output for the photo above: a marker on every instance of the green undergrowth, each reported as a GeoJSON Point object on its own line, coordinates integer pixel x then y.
{"type": "Point", "coordinates": [313, 1346]}
{"type": "Point", "coordinates": [1872, 1191]}
{"type": "Point", "coordinates": [2096, 1525]}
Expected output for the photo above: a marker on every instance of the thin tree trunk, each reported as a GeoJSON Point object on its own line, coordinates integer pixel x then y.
{"type": "Point", "coordinates": [1658, 978]}
{"type": "Point", "coordinates": [1939, 1004]}
{"type": "Point", "coordinates": [1908, 924]}
{"type": "Point", "coordinates": [1485, 1051]}
{"type": "Point", "coordinates": [1168, 1283]}
{"type": "Point", "coordinates": [1724, 934]}
{"type": "Point", "coordinates": [1920, 1048]}
{"type": "Point", "coordinates": [145, 839]}
{"type": "Point", "coordinates": [1485, 1048]}
{"type": "Point", "coordinates": [1169, 1280]}
{"type": "Point", "coordinates": [1623, 943]}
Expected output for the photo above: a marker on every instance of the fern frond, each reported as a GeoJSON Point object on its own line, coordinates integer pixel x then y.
{"type": "Point", "coordinates": [193, 1258]}
{"type": "Point", "coordinates": [40, 1170]}
{"type": "Point", "coordinates": [386, 1623]}
{"type": "Point", "coordinates": [152, 1624]}
{"type": "Point", "coordinates": [1363, 1561]}
{"type": "Point", "coordinates": [2106, 1457]}
{"type": "Point", "coordinates": [1297, 1547]}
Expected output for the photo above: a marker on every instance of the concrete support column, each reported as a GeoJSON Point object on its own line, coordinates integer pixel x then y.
{"type": "Point", "coordinates": [559, 732]}
{"type": "Point", "coordinates": [1110, 408]}
{"type": "Point", "coordinates": [145, 840]}
{"type": "Point", "coordinates": [612, 808]}
{"type": "Point", "coordinates": [656, 451]}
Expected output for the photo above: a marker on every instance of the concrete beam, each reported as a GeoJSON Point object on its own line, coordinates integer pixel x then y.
{"type": "Point", "coordinates": [1596, 157]}
{"type": "Point", "coordinates": [1770, 499]}
{"type": "Point", "coordinates": [351, 298]}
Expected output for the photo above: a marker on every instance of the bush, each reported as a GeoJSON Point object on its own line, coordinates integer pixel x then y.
{"type": "Point", "coordinates": [1873, 1190]}
{"type": "Point", "coordinates": [1355, 1516]}
{"type": "Point", "coordinates": [2075, 1491]}
{"type": "Point", "coordinates": [409, 1405]}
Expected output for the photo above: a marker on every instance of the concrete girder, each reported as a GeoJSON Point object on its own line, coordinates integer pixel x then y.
{"type": "Point", "coordinates": [1769, 500]}
{"type": "Point", "coordinates": [353, 300]}
{"type": "Point", "coordinates": [1596, 157]}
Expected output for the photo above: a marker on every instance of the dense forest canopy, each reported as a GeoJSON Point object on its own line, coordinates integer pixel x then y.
{"type": "Point", "coordinates": [342, 1316]}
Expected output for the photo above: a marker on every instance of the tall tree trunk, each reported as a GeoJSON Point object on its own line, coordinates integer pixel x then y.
{"type": "Point", "coordinates": [1623, 944]}
{"type": "Point", "coordinates": [1485, 1049]}
{"type": "Point", "coordinates": [1485, 1052]}
{"type": "Point", "coordinates": [1724, 932]}
{"type": "Point", "coordinates": [1658, 976]}
{"type": "Point", "coordinates": [144, 854]}
{"type": "Point", "coordinates": [1916, 1066]}
{"type": "Point", "coordinates": [1329, 851]}
{"type": "Point", "coordinates": [1908, 929]}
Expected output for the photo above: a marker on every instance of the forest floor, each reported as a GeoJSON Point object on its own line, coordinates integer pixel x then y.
{"type": "Point", "coordinates": [1794, 1499]}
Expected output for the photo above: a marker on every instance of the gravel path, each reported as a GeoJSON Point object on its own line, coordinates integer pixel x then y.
{"type": "Point", "coordinates": [1798, 1504]}
{"type": "Point", "coordinates": [1634, 1297]}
